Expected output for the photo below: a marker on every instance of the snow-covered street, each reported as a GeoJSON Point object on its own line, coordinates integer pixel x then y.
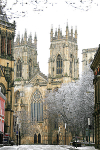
{"type": "Point", "coordinates": [45, 147]}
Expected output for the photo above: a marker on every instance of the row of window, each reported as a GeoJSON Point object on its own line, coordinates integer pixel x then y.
{"type": "Point", "coordinates": [19, 67]}
{"type": "Point", "coordinates": [3, 46]}
{"type": "Point", "coordinates": [59, 67]}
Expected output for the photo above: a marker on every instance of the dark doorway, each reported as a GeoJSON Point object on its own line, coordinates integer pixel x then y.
{"type": "Point", "coordinates": [39, 138]}
{"type": "Point", "coordinates": [87, 138]}
{"type": "Point", "coordinates": [1, 138]}
{"type": "Point", "coordinates": [57, 139]}
{"type": "Point", "coordinates": [35, 138]}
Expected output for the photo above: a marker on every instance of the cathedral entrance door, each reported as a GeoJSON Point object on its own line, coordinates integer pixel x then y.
{"type": "Point", "coordinates": [39, 138]}
{"type": "Point", "coordinates": [57, 139]}
{"type": "Point", "coordinates": [35, 138]}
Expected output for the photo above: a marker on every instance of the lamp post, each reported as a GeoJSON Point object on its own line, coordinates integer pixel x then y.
{"type": "Point", "coordinates": [17, 131]}
{"type": "Point", "coordinates": [89, 129]}
{"type": "Point", "coordinates": [65, 133]}
{"type": "Point", "coordinates": [19, 134]}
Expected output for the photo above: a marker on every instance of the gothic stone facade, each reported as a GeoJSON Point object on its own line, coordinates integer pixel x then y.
{"type": "Point", "coordinates": [31, 85]}
{"type": "Point", "coordinates": [7, 31]}
{"type": "Point", "coordinates": [63, 61]}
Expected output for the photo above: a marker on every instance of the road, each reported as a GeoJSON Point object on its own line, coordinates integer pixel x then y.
{"type": "Point", "coordinates": [45, 147]}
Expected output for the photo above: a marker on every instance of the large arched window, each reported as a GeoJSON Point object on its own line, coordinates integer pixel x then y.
{"type": "Point", "coordinates": [36, 106]}
{"type": "Point", "coordinates": [59, 64]}
{"type": "Point", "coordinates": [30, 68]}
{"type": "Point", "coordinates": [18, 68]}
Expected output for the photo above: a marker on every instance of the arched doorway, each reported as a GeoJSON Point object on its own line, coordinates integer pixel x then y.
{"type": "Point", "coordinates": [39, 138]}
{"type": "Point", "coordinates": [35, 138]}
{"type": "Point", "coordinates": [57, 139]}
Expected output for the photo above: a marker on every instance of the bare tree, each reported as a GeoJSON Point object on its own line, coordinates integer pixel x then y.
{"type": "Point", "coordinates": [20, 8]}
{"type": "Point", "coordinates": [74, 103]}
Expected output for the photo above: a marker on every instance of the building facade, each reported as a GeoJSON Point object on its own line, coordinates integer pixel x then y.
{"type": "Point", "coordinates": [7, 31]}
{"type": "Point", "coordinates": [87, 56]}
{"type": "Point", "coordinates": [2, 116]}
{"type": "Point", "coordinates": [95, 66]}
{"type": "Point", "coordinates": [31, 85]}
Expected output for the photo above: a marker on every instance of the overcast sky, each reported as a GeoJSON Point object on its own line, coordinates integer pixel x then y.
{"type": "Point", "coordinates": [87, 22]}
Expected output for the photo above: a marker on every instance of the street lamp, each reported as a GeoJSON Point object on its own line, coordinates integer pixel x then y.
{"type": "Point", "coordinates": [89, 129]}
{"type": "Point", "coordinates": [19, 134]}
{"type": "Point", "coordinates": [65, 133]}
{"type": "Point", "coordinates": [17, 131]}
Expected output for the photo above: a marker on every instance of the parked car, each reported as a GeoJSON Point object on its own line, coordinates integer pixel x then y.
{"type": "Point", "coordinates": [76, 142]}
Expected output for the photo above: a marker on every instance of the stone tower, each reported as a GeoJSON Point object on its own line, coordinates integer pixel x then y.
{"type": "Point", "coordinates": [63, 61]}
{"type": "Point", "coordinates": [25, 55]}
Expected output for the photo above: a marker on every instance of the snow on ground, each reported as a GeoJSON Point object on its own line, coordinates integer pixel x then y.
{"type": "Point", "coordinates": [45, 147]}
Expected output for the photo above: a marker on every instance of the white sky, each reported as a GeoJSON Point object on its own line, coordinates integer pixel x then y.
{"type": "Point", "coordinates": [87, 22]}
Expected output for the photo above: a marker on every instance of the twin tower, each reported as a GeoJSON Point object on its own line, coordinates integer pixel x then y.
{"type": "Point", "coordinates": [63, 65]}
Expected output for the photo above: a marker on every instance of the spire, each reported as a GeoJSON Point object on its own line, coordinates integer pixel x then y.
{"type": "Point", "coordinates": [76, 33]}
{"type": "Point", "coordinates": [67, 24]}
{"type": "Point", "coordinates": [72, 32]}
{"type": "Point", "coordinates": [56, 32]}
{"type": "Point", "coordinates": [30, 39]}
{"type": "Point", "coordinates": [59, 32]}
{"type": "Point", "coordinates": [35, 37]}
{"type": "Point", "coordinates": [35, 40]}
{"type": "Point", "coordinates": [67, 30]}
{"type": "Point", "coordinates": [25, 37]}
{"type": "Point", "coordinates": [51, 33]}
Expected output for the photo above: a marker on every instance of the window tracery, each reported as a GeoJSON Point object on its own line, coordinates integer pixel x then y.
{"type": "Point", "coordinates": [19, 68]}
{"type": "Point", "coordinates": [59, 64]}
{"type": "Point", "coordinates": [36, 106]}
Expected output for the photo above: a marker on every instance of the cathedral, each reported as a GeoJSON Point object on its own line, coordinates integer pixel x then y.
{"type": "Point", "coordinates": [31, 85]}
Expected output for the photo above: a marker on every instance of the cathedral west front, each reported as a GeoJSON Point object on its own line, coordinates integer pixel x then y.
{"type": "Point", "coordinates": [31, 85]}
